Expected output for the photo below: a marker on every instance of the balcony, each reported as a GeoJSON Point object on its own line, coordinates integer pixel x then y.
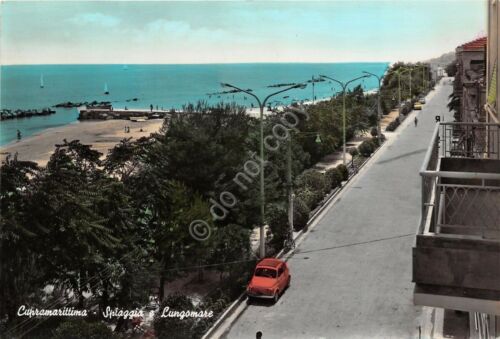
{"type": "Point", "coordinates": [456, 257]}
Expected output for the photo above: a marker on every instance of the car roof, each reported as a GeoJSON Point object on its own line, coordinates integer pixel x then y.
{"type": "Point", "coordinates": [270, 262]}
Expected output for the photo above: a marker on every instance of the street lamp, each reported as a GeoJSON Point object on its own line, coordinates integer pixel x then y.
{"type": "Point", "coordinates": [400, 71]}
{"type": "Point", "coordinates": [262, 104]}
{"type": "Point", "coordinates": [423, 67]}
{"type": "Point", "coordinates": [313, 81]}
{"type": "Point", "coordinates": [344, 87]}
{"type": "Point", "coordinates": [290, 181]}
{"type": "Point", "coordinates": [379, 107]}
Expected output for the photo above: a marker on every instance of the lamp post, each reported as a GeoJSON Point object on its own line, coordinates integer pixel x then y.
{"type": "Point", "coordinates": [291, 196]}
{"type": "Point", "coordinates": [379, 107]}
{"type": "Point", "coordinates": [344, 86]}
{"type": "Point", "coordinates": [423, 67]}
{"type": "Point", "coordinates": [262, 104]}
{"type": "Point", "coordinates": [400, 71]}
{"type": "Point", "coordinates": [313, 81]}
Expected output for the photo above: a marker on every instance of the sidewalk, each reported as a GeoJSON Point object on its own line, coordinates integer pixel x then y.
{"type": "Point", "coordinates": [334, 159]}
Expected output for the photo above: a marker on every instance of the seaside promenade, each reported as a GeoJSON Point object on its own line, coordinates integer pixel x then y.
{"type": "Point", "coordinates": [351, 275]}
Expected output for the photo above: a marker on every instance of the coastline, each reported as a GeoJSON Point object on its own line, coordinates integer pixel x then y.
{"type": "Point", "coordinates": [102, 135]}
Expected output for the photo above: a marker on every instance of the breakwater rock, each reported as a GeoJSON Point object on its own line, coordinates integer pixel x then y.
{"type": "Point", "coordinates": [7, 114]}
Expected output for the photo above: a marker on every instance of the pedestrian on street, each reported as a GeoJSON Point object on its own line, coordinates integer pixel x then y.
{"type": "Point", "coordinates": [416, 121]}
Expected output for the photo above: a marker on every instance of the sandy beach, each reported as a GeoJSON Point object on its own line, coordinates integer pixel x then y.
{"type": "Point", "coordinates": [102, 135]}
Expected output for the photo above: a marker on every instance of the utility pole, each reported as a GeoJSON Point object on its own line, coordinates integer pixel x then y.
{"type": "Point", "coordinates": [290, 184]}
{"type": "Point", "coordinates": [291, 196]}
{"type": "Point", "coordinates": [262, 104]}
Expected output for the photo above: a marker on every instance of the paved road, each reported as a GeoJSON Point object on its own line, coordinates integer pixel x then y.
{"type": "Point", "coordinates": [351, 277]}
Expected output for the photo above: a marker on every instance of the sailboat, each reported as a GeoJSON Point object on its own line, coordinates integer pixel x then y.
{"type": "Point", "coordinates": [106, 89]}
{"type": "Point", "coordinates": [41, 81]}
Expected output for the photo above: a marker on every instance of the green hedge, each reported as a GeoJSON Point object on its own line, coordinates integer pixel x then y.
{"type": "Point", "coordinates": [343, 171]}
{"type": "Point", "coordinates": [393, 125]}
{"type": "Point", "coordinates": [335, 177]}
{"type": "Point", "coordinates": [366, 148]}
{"type": "Point", "coordinates": [277, 218]}
{"type": "Point", "coordinates": [300, 213]}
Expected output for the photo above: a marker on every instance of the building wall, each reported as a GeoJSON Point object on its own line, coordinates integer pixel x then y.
{"type": "Point", "coordinates": [471, 64]}
{"type": "Point", "coordinates": [493, 71]}
{"type": "Point", "coordinates": [493, 52]}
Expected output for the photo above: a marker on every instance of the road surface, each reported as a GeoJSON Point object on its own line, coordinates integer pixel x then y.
{"type": "Point", "coordinates": [351, 276]}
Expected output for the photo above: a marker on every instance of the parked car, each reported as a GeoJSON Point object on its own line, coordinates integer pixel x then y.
{"type": "Point", "coordinates": [270, 279]}
{"type": "Point", "coordinates": [422, 101]}
{"type": "Point", "coordinates": [417, 106]}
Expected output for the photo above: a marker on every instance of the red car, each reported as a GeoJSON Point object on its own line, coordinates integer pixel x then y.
{"type": "Point", "coordinates": [270, 279]}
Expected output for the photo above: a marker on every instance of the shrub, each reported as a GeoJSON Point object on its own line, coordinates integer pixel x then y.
{"type": "Point", "coordinates": [80, 328]}
{"type": "Point", "coordinates": [300, 213]}
{"type": "Point", "coordinates": [366, 148]}
{"type": "Point", "coordinates": [313, 186]}
{"type": "Point", "coordinates": [386, 107]}
{"type": "Point", "coordinates": [393, 125]}
{"type": "Point", "coordinates": [312, 179]}
{"type": "Point", "coordinates": [335, 177]}
{"type": "Point", "coordinates": [277, 219]}
{"type": "Point", "coordinates": [174, 327]}
{"type": "Point", "coordinates": [343, 172]}
{"type": "Point", "coordinates": [308, 196]}
{"type": "Point", "coordinates": [217, 304]}
{"type": "Point", "coordinates": [374, 131]}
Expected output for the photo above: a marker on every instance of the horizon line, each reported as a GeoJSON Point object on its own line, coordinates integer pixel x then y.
{"type": "Point", "coordinates": [203, 63]}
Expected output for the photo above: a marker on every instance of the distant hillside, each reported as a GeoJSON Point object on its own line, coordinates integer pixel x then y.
{"type": "Point", "coordinates": [442, 61]}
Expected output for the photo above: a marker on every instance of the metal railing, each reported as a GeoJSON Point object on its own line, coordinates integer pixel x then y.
{"type": "Point", "coordinates": [471, 140]}
{"type": "Point", "coordinates": [458, 202]}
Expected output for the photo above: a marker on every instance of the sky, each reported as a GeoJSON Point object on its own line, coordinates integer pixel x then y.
{"type": "Point", "coordinates": [185, 32]}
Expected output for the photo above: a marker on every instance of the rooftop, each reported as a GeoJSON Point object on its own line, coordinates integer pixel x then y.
{"type": "Point", "coordinates": [476, 44]}
{"type": "Point", "coordinates": [270, 262]}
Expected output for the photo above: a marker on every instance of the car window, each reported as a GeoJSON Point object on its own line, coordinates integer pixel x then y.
{"type": "Point", "coordinates": [265, 272]}
{"type": "Point", "coordinates": [281, 270]}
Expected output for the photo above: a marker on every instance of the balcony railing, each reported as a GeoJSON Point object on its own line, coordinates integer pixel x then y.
{"type": "Point", "coordinates": [456, 257]}
{"type": "Point", "coordinates": [461, 184]}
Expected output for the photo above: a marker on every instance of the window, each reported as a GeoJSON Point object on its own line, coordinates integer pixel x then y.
{"type": "Point", "coordinates": [265, 272]}
{"type": "Point", "coordinates": [281, 270]}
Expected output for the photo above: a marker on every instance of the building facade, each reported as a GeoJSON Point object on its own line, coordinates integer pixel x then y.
{"type": "Point", "coordinates": [456, 256]}
{"type": "Point", "coordinates": [470, 82]}
{"type": "Point", "coordinates": [493, 69]}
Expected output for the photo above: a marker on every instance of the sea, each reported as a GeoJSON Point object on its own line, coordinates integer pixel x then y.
{"type": "Point", "coordinates": [165, 86]}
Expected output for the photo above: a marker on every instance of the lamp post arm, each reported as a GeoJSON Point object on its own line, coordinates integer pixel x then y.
{"type": "Point", "coordinates": [244, 91]}
{"type": "Point", "coordinates": [338, 82]}
{"type": "Point", "coordinates": [352, 80]}
{"type": "Point", "coordinates": [283, 90]}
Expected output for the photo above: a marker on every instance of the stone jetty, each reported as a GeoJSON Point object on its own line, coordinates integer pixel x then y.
{"type": "Point", "coordinates": [7, 114]}
{"type": "Point", "coordinates": [109, 113]}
